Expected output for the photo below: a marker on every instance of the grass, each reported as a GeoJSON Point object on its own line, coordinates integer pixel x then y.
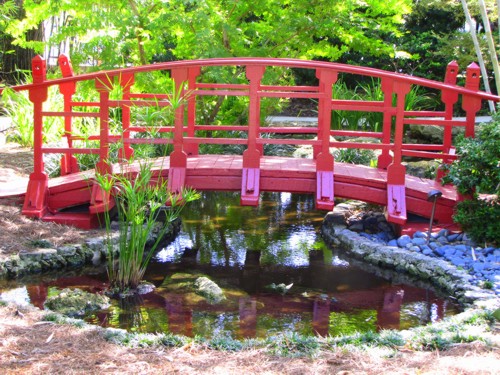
{"type": "Point", "coordinates": [474, 325]}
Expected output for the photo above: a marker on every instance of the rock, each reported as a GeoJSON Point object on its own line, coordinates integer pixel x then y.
{"type": "Point", "coordinates": [404, 240]}
{"type": "Point", "coordinates": [427, 252]}
{"type": "Point", "coordinates": [452, 237]}
{"type": "Point", "coordinates": [209, 290]}
{"type": "Point", "coordinates": [76, 302]}
{"type": "Point", "coordinates": [37, 254]}
{"type": "Point", "coordinates": [419, 234]}
{"type": "Point", "coordinates": [419, 241]}
{"type": "Point", "coordinates": [438, 251]}
{"type": "Point", "coordinates": [357, 227]}
{"type": "Point", "coordinates": [393, 243]}
{"type": "Point", "coordinates": [336, 217]}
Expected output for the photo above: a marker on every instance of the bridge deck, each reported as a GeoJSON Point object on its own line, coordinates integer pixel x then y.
{"type": "Point", "coordinates": [224, 172]}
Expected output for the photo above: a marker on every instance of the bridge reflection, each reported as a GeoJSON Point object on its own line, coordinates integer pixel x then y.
{"type": "Point", "coordinates": [321, 301]}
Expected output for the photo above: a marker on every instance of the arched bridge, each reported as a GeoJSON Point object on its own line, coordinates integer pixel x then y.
{"type": "Point", "coordinates": [120, 105]}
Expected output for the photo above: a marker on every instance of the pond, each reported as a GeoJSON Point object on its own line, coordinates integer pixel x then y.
{"type": "Point", "coordinates": [277, 274]}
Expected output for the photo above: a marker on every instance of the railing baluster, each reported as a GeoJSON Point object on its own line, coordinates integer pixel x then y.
{"type": "Point", "coordinates": [471, 104]}
{"type": "Point", "coordinates": [101, 200]}
{"type": "Point", "coordinates": [449, 98]}
{"type": "Point", "coordinates": [387, 85]}
{"type": "Point", "coordinates": [192, 149]}
{"type": "Point", "coordinates": [126, 152]}
{"type": "Point", "coordinates": [69, 164]}
{"type": "Point", "coordinates": [178, 157]}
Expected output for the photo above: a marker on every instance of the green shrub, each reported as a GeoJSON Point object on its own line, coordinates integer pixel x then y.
{"type": "Point", "coordinates": [480, 219]}
{"type": "Point", "coordinates": [478, 171]}
{"type": "Point", "coordinates": [355, 156]}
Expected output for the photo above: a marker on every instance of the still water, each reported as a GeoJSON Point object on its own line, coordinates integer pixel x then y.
{"type": "Point", "coordinates": [276, 272]}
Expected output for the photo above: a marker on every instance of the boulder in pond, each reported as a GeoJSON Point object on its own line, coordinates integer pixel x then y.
{"type": "Point", "coordinates": [206, 288]}
{"type": "Point", "coordinates": [76, 303]}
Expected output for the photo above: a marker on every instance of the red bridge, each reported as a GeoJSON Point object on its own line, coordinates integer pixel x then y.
{"type": "Point", "coordinates": [252, 171]}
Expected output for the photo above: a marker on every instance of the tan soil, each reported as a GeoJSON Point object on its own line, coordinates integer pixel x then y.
{"type": "Point", "coordinates": [29, 346]}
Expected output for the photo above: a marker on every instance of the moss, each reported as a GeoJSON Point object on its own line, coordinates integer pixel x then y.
{"type": "Point", "coordinates": [76, 302]}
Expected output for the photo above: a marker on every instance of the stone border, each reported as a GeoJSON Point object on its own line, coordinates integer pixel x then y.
{"type": "Point", "coordinates": [437, 272]}
{"type": "Point", "coordinates": [92, 251]}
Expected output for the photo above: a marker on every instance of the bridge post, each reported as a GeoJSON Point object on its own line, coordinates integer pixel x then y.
{"type": "Point", "coordinates": [100, 200]}
{"type": "Point", "coordinates": [449, 98]}
{"type": "Point", "coordinates": [396, 191]}
{"type": "Point", "coordinates": [69, 164]}
{"type": "Point", "coordinates": [471, 104]}
{"type": "Point", "coordinates": [325, 160]}
{"type": "Point", "coordinates": [250, 179]}
{"type": "Point", "coordinates": [126, 81]}
{"type": "Point", "coordinates": [178, 157]}
{"type": "Point", "coordinates": [385, 158]}
{"type": "Point", "coordinates": [35, 201]}
{"type": "Point", "coordinates": [193, 73]}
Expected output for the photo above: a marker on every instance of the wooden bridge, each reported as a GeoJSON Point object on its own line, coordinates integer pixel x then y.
{"type": "Point", "coordinates": [252, 171]}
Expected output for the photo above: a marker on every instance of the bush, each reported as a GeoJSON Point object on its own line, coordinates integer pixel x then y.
{"type": "Point", "coordinates": [480, 219]}
{"type": "Point", "coordinates": [478, 171]}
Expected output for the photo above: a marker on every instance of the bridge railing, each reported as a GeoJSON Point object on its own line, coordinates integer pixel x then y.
{"type": "Point", "coordinates": [185, 138]}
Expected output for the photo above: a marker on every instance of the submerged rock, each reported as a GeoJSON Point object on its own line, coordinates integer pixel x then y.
{"type": "Point", "coordinates": [279, 288]}
{"type": "Point", "coordinates": [76, 302]}
{"type": "Point", "coordinates": [194, 288]}
{"type": "Point", "coordinates": [209, 290]}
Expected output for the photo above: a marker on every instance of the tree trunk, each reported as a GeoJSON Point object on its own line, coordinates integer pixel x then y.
{"type": "Point", "coordinates": [491, 44]}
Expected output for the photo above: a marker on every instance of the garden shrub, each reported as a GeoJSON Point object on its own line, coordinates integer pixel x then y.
{"type": "Point", "coordinates": [476, 172]}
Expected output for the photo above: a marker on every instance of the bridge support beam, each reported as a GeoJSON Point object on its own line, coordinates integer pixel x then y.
{"type": "Point", "coordinates": [396, 190]}
{"type": "Point", "coordinates": [35, 201]}
{"type": "Point", "coordinates": [250, 178]}
{"type": "Point", "coordinates": [324, 159]}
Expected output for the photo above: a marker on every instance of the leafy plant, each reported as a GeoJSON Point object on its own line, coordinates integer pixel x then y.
{"type": "Point", "coordinates": [140, 201]}
{"type": "Point", "coordinates": [478, 171]}
{"type": "Point", "coordinates": [355, 156]}
{"type": "Point", "coordinates": [480, 219]}
{"type": "Point", "coordinates": [19, 108]}
{"type": "Point", "coordinates": [293, 345]}
{"type": "Point", "coordinates": [416, 99]}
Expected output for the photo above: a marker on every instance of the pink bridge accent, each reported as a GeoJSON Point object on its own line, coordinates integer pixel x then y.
{"type": "Point", "coordinates": [252, 171]}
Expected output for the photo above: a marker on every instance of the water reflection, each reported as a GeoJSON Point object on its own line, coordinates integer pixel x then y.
{"type": "Point", "coordinates": [246, 250]}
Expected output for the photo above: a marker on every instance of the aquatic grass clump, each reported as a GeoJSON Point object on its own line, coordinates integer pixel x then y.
{"type": "Point", "coordinates": [225, 343]}
{"type": "Point", "coordinates": [293, 345]}
{"type": "Point", "coordinates": [385, 338]}
{"type": "Point", "coordinates": [140, 202]}
{"type": "Point", "coordinates": [473, 325]}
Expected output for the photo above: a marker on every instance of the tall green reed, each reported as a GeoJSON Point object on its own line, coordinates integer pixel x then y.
{"type": "Point", "coordinates": [140, 199]}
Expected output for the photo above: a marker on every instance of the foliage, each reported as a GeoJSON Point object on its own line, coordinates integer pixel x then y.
{"type": "Point", "coordinates": [480, 219]}
{"type": "Point", "coordinates": [140, 202]}
{"type": "Point", "coordinates": [355, 156]}
{"type": "Point", "coordinates": [19, 108]}
{"type": "Point", "coordinates": [293, 345]}
{"type": "Point", "coordinates": [478, 168]}
{"type": "Point", "coordinates": [478, 171]}
{"type": "Point", "coordinates": [416, 99]}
